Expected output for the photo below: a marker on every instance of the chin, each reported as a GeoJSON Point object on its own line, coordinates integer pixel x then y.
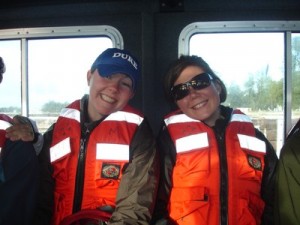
{"type": "Point", "coordinates": [200, 117]}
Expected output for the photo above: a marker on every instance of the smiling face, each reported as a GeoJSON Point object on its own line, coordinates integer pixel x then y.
{"type": "Point", "coordinates": [107, 94]}
{"type": "Point", "coordinates": [199, 104]}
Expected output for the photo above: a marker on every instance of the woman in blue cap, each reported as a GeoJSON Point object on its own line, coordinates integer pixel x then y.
{"type": "Point", "coordinates": [100, 155]}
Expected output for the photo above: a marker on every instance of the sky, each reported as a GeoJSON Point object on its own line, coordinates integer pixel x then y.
{"type": "Point", "coordinates": [234, 57]}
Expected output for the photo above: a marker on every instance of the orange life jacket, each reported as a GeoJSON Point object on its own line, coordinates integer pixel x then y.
{"type": "Point", "coordinates": [107, 153]}
{"type": "Point", "coordinates": [195, 196]}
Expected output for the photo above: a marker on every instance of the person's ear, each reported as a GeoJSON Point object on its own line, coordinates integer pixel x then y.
{"type": "Point", "coordinates": [89, 77]}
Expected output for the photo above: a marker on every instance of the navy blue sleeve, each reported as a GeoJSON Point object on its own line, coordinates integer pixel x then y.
{"type": "Point", "coordinates": [19, 189]}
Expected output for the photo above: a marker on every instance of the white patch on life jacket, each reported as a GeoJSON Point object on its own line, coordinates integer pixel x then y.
{"type": "Point", "coordinates": [252, 143]}
{"type": "Point", "coordinates": [125, 116]}
{"type": "Point", "coordinates": [70, 113]}
{"type": "Point", "coordinates": [240, 118]}
{"type": "Point", "coordinates": [0, 149]}
{"type": "Point", "coordinates": [192, 142]}
{"type": "Point", "coordinates": [182, 118]}
{"type": "Point", "coordinates": [4, 125]}
{"type": "Point", "coordinates": [60, 149]}
{"type": "Point", "coordinates": [112, 152]}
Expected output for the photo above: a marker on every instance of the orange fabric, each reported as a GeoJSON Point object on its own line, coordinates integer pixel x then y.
{"type": "Point", "coordinates": [195, 196]}
{"type": "Point", "coordinates": [98, 191]}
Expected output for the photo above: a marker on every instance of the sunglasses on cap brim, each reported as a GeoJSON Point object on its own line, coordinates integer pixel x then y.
{"type": "Point", "coordinates": [198, 82]}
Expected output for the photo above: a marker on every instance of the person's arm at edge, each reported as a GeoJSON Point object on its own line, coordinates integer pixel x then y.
{"type": "Point", "coordinates": [138, 187]}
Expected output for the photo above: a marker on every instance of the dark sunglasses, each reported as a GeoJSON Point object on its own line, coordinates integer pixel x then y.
{"type": "Point", "coordinates": [198, 82]}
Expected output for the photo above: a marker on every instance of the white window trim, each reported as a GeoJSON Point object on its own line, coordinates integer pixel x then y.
{"type": "Point", "coordinates": [232, 26]}
{"type": "Point", "coordinates": [72, 31]}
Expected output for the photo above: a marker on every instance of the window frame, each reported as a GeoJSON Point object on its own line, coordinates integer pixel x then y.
{"type": "Point", "coordinates": [287, 27]}
{"type": "Point", "coordinates": [25, 34]}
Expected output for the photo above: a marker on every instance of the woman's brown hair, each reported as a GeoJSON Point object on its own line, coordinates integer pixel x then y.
{"type": "Point", "coordinates": [183, 62]}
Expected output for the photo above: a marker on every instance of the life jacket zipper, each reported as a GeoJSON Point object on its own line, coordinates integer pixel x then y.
{"type": "Point", "coordinates": [79, 183]}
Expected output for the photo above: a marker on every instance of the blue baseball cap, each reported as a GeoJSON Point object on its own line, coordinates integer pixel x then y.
{"type": "Point", "coordinates": [114, 60]}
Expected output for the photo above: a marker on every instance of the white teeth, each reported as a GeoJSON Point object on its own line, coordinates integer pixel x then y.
{"type": "Point", "coordinates": [108, 99]}
{"type": "Point", "coordinates": [199, 105]}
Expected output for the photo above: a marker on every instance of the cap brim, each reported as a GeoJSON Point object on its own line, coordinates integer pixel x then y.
{"type": "Point", "coordinates": [106, 70]}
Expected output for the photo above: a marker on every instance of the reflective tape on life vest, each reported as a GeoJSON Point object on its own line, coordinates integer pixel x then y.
{"type": "Point", "coordinates": [125, 116]}
{"type": "Point", "coordinates": [240, 118]}
{"type": "Point", "coordinates": [118, 152]}
{"type": "Point", "coordinates": [70, 113]}
{"type": "Point", "coordinates": [60, 150]}
{"type": "Point", "coordinates": [182, 118]}
{"type": "Point", "coordinates": [252, 143]}
{"type": "Point", "coordinates": [191, 142]}
{"type": "Point", "coordinates": [117, 116]}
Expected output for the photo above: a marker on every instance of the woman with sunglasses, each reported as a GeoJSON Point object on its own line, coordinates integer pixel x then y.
{"type": "Point", "coordinates": [217, 168]}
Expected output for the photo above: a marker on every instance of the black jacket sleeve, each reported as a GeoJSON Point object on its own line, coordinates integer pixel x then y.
{"type": "Point", "coordinates": [45, 204]}
{"type": "Point", "coordinates": [167, 155]}
{"type": "Point", "coordinates": [268, 181]}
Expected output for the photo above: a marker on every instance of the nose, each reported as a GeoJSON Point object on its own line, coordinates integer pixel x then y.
{"type": "Point", "coordinates": [113, 85]}
{"type": "Point", "coordinates": [192, 91]}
